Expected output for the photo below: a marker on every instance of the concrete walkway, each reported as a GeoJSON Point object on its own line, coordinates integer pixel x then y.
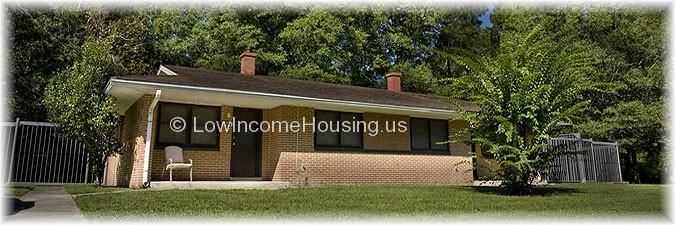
{"type": "Point", "coordinates": [217, 185]}
{"type": "Point", "coordinates": [48, 204]}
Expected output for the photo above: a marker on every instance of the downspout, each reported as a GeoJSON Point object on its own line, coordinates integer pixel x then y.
{"type": "Point", "coordinates": [148, 138]}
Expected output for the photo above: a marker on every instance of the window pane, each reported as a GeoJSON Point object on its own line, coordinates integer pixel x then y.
{"type": "Point", "coordinates": [327, 138]}
{"type": "Point", "coordinates": [439, 133]}
{"type": "Point", "coordinates": [419, 130]}
{"type": "Point", "coordinates": [168, 112]}
{"type": "Point", "coordinates": [201, 116]}
{"type": "Point", "coordinates": [353, 138]}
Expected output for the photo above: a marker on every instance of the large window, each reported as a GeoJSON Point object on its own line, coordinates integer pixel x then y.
{"type": "Point", "coordinates": [425, 134]}
{"type": "Point", "coordinates": [187, 138]}
{"type": "Point", "coordinates": [335, 136]}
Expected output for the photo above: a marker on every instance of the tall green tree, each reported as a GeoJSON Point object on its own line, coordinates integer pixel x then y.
{"type": "Point", "coordinates": [75, 100]}
{"type": "Point", "coordinates": [460, 29]}
{"type": "Point", "coordinates": [535, 81]}
{"type": "Point", "coordinates": [632, 113]}
{"type": "Point", "coordinates": [318, 40]}
{"type": "Point", "coordinates": [42, 42]}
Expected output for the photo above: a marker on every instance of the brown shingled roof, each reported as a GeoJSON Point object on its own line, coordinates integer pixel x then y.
{"type": "Point", "coordinates": [275, 85]}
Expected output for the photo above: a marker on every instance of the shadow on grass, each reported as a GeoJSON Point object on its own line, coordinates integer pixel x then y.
{"type": "Point", "coordinates": [538, 191]}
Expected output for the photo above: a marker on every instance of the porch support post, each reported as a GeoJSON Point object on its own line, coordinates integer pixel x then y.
{"type": "Point", "coordinates": [148, 137]}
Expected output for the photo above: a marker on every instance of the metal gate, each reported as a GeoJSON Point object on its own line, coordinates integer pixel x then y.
{"type": "Point", "coordinates": [584, 160]}
{"type": "Point", "coordinates": [36, 153]}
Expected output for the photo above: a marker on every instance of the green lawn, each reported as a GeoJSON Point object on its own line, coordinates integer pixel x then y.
{"type": "Point", "coordinates": [17, 190]}
{"type": "Point", "coordinates": [560, 200]}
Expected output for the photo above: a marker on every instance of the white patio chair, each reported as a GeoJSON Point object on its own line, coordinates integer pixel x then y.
{"type": "Point", "coordinates": [174, 160]}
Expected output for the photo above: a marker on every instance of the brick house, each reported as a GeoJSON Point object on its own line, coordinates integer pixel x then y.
{"type": "Point", "coordinates": [412, 157]}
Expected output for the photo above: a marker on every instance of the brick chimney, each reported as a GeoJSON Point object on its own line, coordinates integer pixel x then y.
{"type": "Point", "coordinates": [394, 81]}
{"type": "Point", "coordinates": [247, 63]}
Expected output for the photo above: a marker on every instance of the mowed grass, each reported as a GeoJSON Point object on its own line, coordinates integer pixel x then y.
{"type": "Point", "coordinates": [559, 200]}
{"type": "Point", "coordinates": [17, 190]}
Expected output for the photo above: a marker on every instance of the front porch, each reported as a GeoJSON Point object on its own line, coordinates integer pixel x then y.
{"type": "Point", "coordinates": [218, 185]}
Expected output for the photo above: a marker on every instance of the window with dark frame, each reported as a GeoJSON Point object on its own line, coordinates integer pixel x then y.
{"type": "Point", "coordinates": [425, 134]}
{"type": "Point", "coordinates": [187, 138]}
{"type": "Point", "coordinates": [330, 140]}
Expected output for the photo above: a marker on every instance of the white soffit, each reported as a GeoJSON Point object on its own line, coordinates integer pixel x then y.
{"type": "Point", "coordinates": [128, 92]}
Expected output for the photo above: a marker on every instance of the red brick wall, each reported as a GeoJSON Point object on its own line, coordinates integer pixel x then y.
{"type": "Point", "coordinates": [337, 168]}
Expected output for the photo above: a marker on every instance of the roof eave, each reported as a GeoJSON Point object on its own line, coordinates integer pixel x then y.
{"type": "Point", "coordinates": [155, 85]}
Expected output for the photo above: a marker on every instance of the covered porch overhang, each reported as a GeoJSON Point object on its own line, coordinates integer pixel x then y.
{"type": "Point", "coordinates": [127, 92]}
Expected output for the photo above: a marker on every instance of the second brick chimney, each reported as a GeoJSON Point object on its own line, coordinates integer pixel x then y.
{"type": "Point", "coordinates": [394, 81]}
{"type": "Point", "coordinates": [247, 63]}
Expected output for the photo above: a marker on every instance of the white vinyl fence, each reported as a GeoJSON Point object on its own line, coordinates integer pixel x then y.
{"type": "Point", "coordinates": [584, 160]}
{"type": "Point", "coordinates": [36, 153]}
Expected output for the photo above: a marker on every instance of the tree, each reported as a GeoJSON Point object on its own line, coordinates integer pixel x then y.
{"type": "Point", "coordinates": [638, 127]}
{"type": "Point", "coordinates": [535, 80]}
{"type": "Point", "coordinates": [42, 41]}
{"type": "Point", "coordinates": [417, 79]}
{"type": "Point", "coordinates": [316, 40]}
{"type": "Point", "coordinates": [460, 29]}
{"type": "Point", "coordinates": [75, 100]}
{"type": "Point", "coordinates": [312, 72]}
{"type": "Point", "coordinates": [631, 113]}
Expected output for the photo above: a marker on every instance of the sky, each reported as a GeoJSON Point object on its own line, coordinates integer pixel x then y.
{"type": "Point", "coordinates": [485, 17]}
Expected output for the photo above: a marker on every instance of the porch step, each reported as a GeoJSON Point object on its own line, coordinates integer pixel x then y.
{"type": "Point", "coordinates": [215, 185]}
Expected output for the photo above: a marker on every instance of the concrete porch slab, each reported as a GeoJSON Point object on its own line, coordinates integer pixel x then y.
{"type": "Point", "coordinates": [217, 185]}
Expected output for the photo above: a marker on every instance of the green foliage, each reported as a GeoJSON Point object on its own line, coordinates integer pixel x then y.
{"type": "Point", "coordinates": [42, 42]}
{"type": "Point", "coordinates": [631, 112]}
{"type": "Point", "coordinates": [534, 82]}
{"type": "Point", "coordinates": [637, 126]}
{"type": "Point", "coordinates": [131, 50]}
{"type": "Point", "coordinates": [460, 30]}
{"type": "Point", "coordinates": [209, 38]}
{"type": "Point", "coordinates": [312, 72]}
{"type": "Point", "coordinates": [75, 100]}
{"type": "Point", "coordinates": [315, 38]}
{"type": "Point", "coordinates": [415, 78]}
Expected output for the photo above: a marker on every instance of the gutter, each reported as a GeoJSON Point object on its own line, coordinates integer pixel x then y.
{"type": "Point", "coordinates": [148, 138]}
{"type": "Point", "coordinates": [340, 102]}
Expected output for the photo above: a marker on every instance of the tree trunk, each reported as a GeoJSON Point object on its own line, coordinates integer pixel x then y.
{"type": "Point", "coordinates": [632, 172]}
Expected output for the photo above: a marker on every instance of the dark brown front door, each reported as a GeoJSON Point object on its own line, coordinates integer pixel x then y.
{"type": "Point", "coordinates": [245, 160]}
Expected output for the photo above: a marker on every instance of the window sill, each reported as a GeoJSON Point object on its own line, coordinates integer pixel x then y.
{"type": "Point", "coordinates": [318, 148]}
{"type": "Point", "coordinates": [380, 151]}
{"type": "Point", "coordinates": [190, 148]}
